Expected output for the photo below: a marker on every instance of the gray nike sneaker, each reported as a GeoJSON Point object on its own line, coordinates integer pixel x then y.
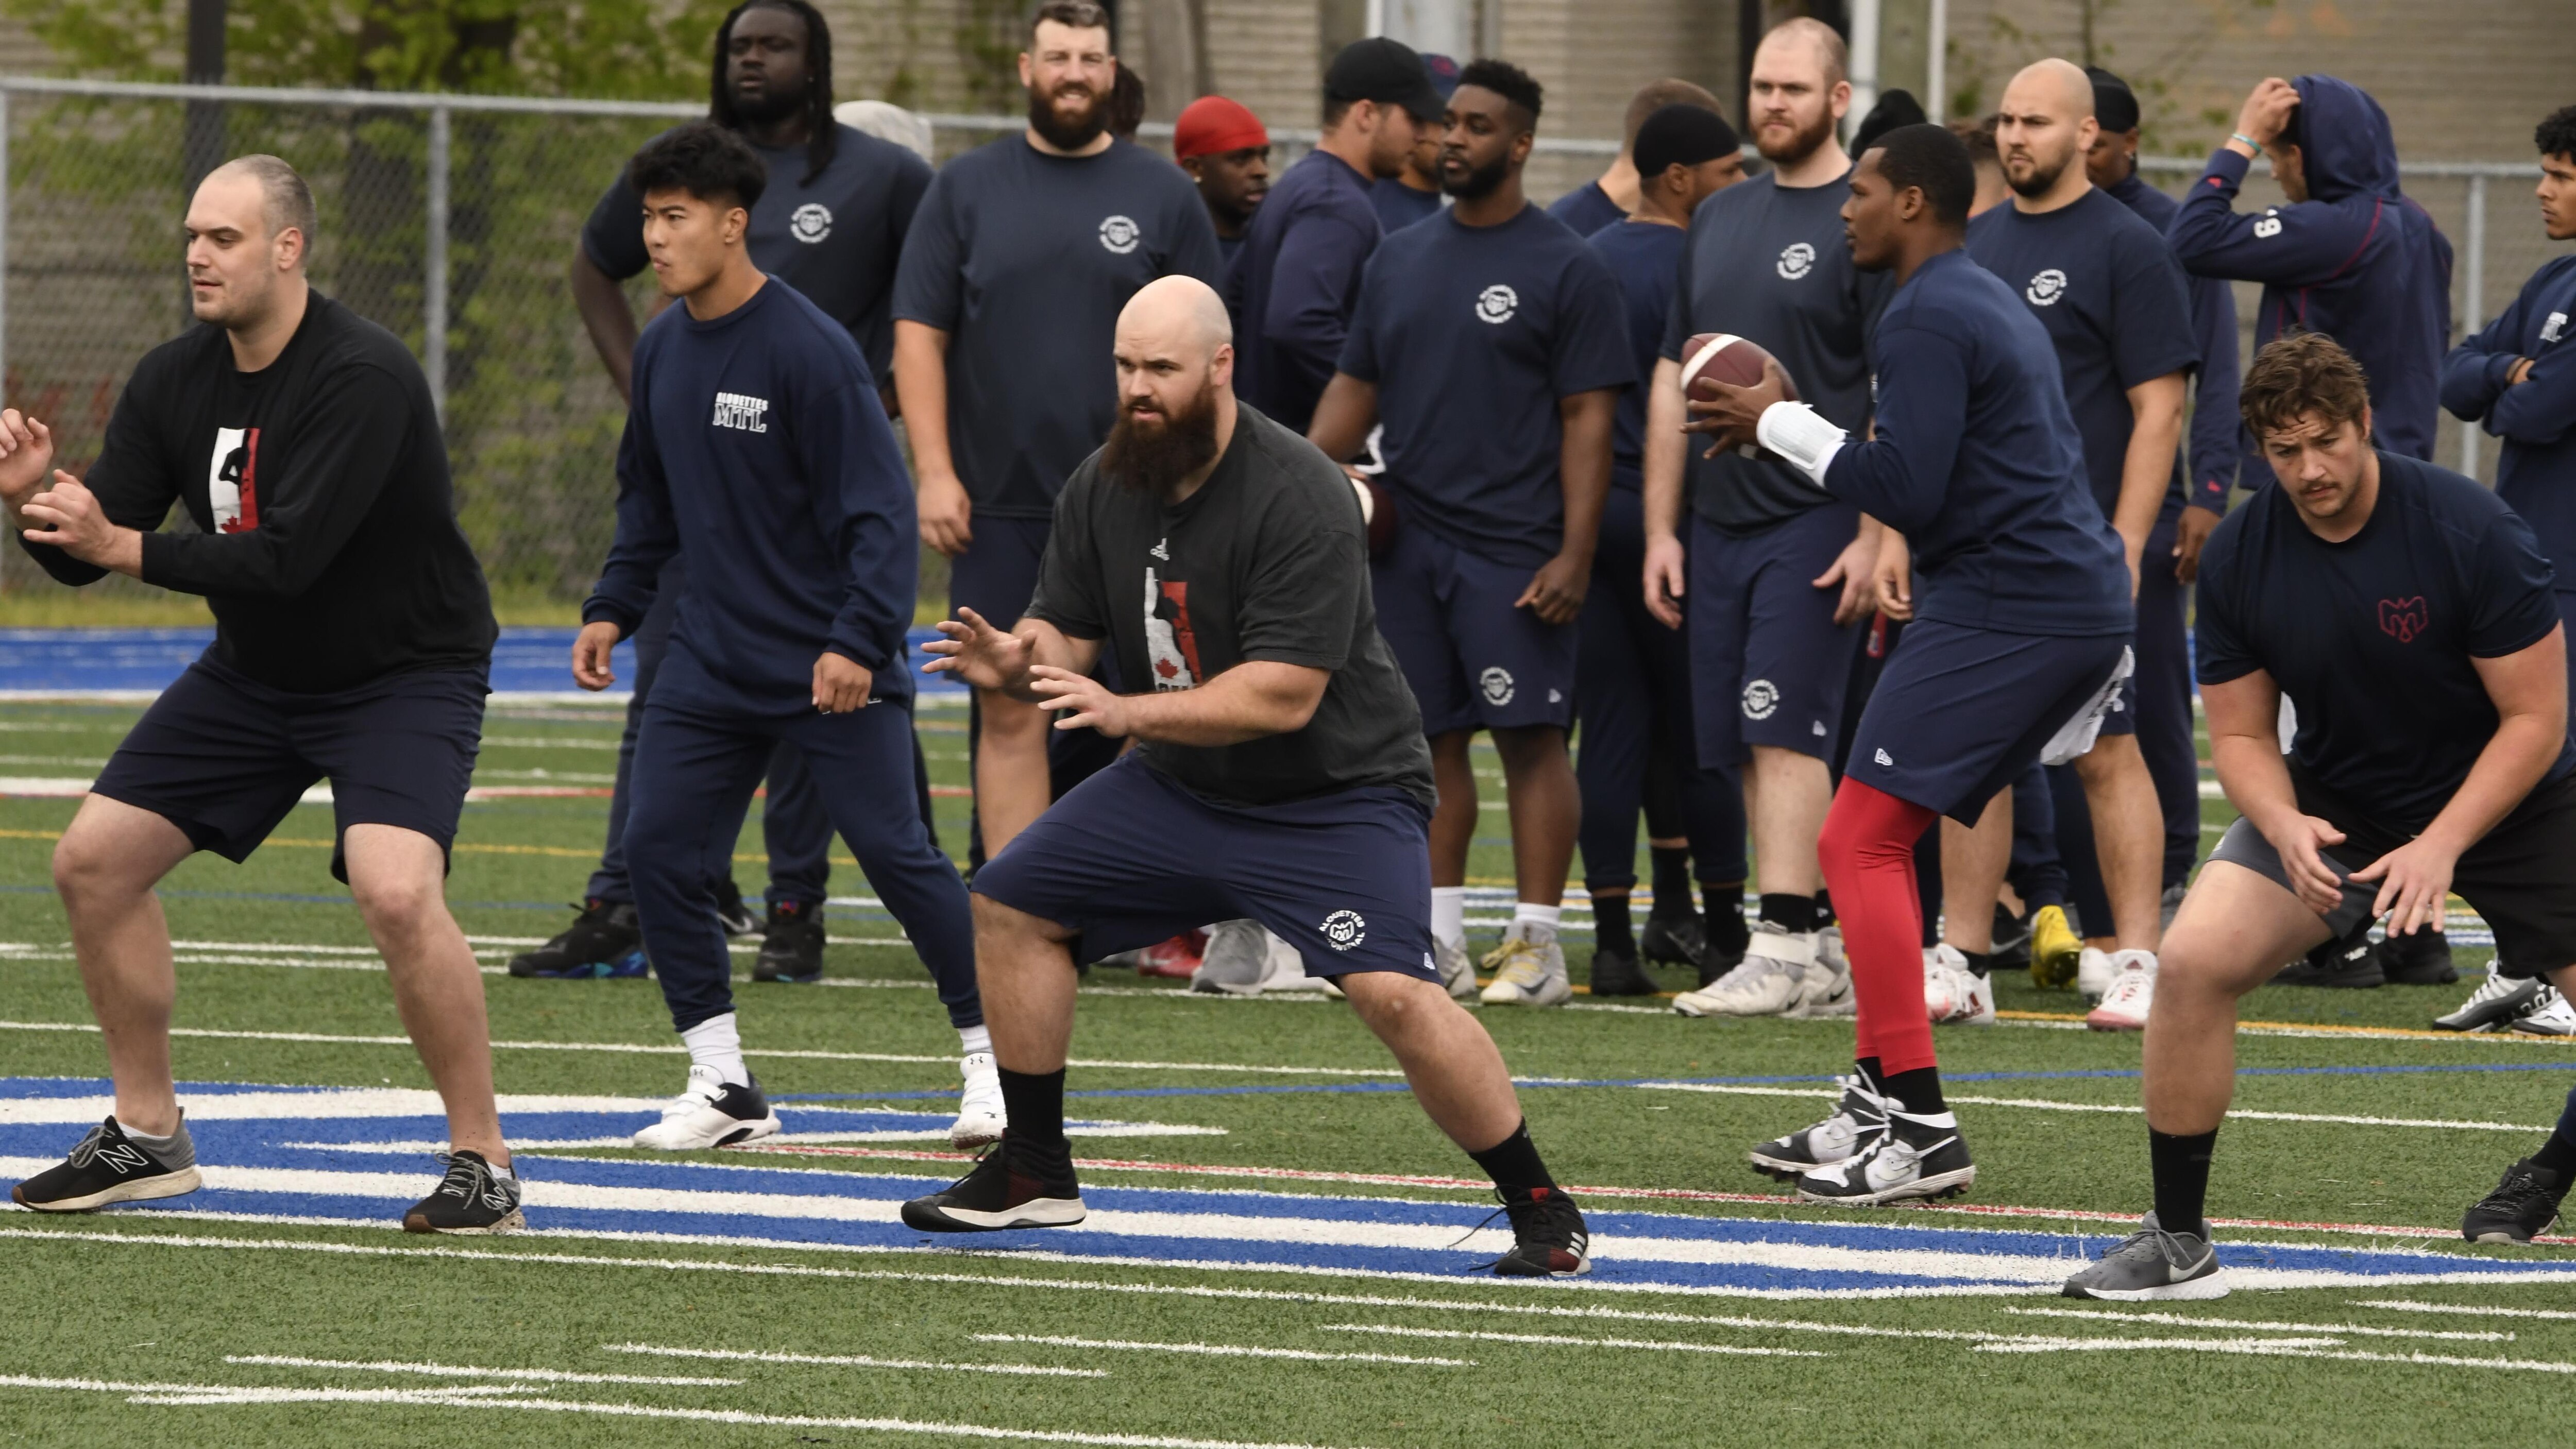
{"type": "Point", "coordinates": [2153, 1266]}
{"type": "Point", "coordinates": [1457, 970]}
{"type": "Point", "coordinates": [1237, 957]}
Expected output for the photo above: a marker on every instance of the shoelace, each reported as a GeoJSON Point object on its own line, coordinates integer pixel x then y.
{"type": "Point", "coordinates": [2165, 1245]}
{"type": "Point", "coordinates": [2129, 985]}
{"type": "Point", "coordinates": [469, 1178]}
{"type": "Point", "coordinates": [1549, 1207]}
{"type": "Point", "coordinates": [2519, 1189]}
{"type": "Point", "coordinates": [85, 1150]}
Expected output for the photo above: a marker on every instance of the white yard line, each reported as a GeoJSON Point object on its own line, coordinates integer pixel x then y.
{"type": "Point", "coordinates": [2273, 1348]}
{"type": "Point", "coordinates": [2268, 1326]}
{"type": "Point", "coordinates": [1222, 1350]}
{"type": "Point", "coordinates": [850, 1360]}
{"type": "Point", "coordinates": [1561, 1340]}
{"type": "Point", "coordinates": [2409, 1305]}
{"type": "Point", "coordinates": [2042, 1104]}
{"type": "Point", "coordinates": [459, 1371]}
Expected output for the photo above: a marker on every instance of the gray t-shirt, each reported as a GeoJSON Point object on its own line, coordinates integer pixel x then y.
{"type": "Point", "coordinates": [835, 239]}
{"type": "Point", "coordinates": [1025, 259]}
{"type": "Point", "coordinates": [1768, 262]}
{"type": "Point", "coordinates": [1267, 561]}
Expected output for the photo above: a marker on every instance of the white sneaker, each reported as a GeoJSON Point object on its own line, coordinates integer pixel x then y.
{"type": "Point", "coordinates": [1953, 994]}
{"type": "Point", "coordinates": [2093, 973]}
{"type": "Point", "coordinates": [1825, 989]}
{"type": "Point", "coordinates": [1236, 961]}
{"type": "Point", "coordinates": [1764, 983]}
{"type": "Point", "coordinates": [1829, 949]}
{"type": "Point", "coordinates": [1457, 970]}
{"type": "Point", "coordinates": [1527, 974]}
{"type": "Point", "coordinates": [1284, 969]}
{"type": "Point", "coordinates": [2125, 1003]}
{"type": "Point", "coordinates": [980, 1116]}
{"type": "Point", "coordinates": [711, 1112]}
{"type": "Point", "coordinates": [2554, 1017]}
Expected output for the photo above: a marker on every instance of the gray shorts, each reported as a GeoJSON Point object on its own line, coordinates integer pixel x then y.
{"type": "Point", "coordinates": [2244, 845]}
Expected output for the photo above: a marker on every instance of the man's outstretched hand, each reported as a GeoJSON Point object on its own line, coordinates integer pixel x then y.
{"type": "Point", "coordinates": [1731, 416]}
{"type": "Point", "coordinates": [981, 656]}
{"type": "Point", "coordinates": [68, 516]}
{"type": "Point", "coordinates": [26, 456]}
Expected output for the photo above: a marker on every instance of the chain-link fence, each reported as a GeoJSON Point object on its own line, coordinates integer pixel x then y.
{"type": "Point", "coordinates": [465, 209]}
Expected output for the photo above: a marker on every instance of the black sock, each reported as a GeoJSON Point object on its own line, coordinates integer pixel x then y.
{"type": "Point", "coordinates": [1672, 880]}
{"type": "Point", "coordinates": [1796, 914]}
{"type": "Point", "coordinates": [1824, 909]}
{"type": "Point", "coordinates": [1870, 1076]}
{"type": "Point", "coordinates": [1917, 1092]}
{"type": "Point", "coordinates": [1979, 962]}
{"type": "Point", "coordinates": [1725, 915]}
{"type": "Point", "coordinates": [2181, 1165]}
{"type": "Point", "coordinates": [1034, 1102]}
{"type": "Point", "coordinates": [1513, 1162]}
{"type": "Point", "coordinates": [1610, 930]}
{"type": "Point", "coordinates": [2558, 1154]}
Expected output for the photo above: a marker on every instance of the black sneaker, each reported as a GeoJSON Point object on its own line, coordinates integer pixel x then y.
{"type": "Point", "coordinates": [1004, 1190]}
{"type": "Point", "coordinates": [731, 913]}
{"type": "Point", "coordinates": [1549, 1239]}
{"type": "Point", "coordinates": [2498, 1001]}
{"type": "Point", "coordinates": [109, 1167]}
{"type": "Point", "coordinates": [791, 947]}
{"type": "Point", "coordinates": [1912, 1159]}
{"type": "Point", "coordinates": [1674, 939]}
{"type": "Point", "coordinates": [2521, 1208]}
{"type": "Point", "coordinates": [474, 1197]}
{"type": "Point", "coordinates": [2352, 962]}
{"type": "Point", "coordinates": [1616, 973]}
{"type": "Point", "coordinates": [2011, 941]}
{"type": "Point", "coordinates": [2422, 958]}
{"type": "Point", "coordinates": [601, 941]}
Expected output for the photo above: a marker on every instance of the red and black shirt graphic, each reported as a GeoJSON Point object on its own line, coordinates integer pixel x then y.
{"type": "Point", "coordinates": [1169, 640]}
{"type": "Point", "coordinates": [232, 480]}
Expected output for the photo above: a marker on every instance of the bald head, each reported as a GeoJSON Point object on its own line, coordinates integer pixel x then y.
{"type": "Point", "coordinates": [1808, 40]}
{"type": "Point", "coordinates": [1178, 315]}
{"type": "Point", "coordinates": [2042, 130]}
{"type": "Point", "coordinates": [285, 202]}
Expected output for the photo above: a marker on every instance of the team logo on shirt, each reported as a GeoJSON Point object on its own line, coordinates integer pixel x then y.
{"type": "Point", "coordinates": [1796, 260]}
{"type": "Point", "coordinates": [741, 412]}
{"type": "Point", "coordinates": [1120, 234]}
{"type": "Point", "coordinates": [232, 480]}
{"type": "Point", "coordinates": [1496, 304]}
{"type": "Point", "coordinates": [2404, 620]}
{"type": "Point", "coordinates": [1344, 929]}
{"type": "Point", "coordinates": [2046, 288]}
{"type": "Point", "coordinates": [1496, 683]}
{"type": "Point", "coordinates": [2268, 224]}
{"type": "Point", "coordinates": [2550, 329]}
{"type": "Point", "coordinates": [1170, 643]}
{"type": "Point", "coordinates": [1761, 699]}
{"type": "Point", "coordinates": [811, 223]}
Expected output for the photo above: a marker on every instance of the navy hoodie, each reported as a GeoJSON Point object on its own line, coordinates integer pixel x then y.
{"type": "Point", "coordinates": [2357, 261]}
{"type": "Point", "coordinates": [2537, 416]}
{"type": "Point", "coordinates": [756, 450]}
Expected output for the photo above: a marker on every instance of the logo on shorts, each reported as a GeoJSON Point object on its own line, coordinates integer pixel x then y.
{"type": "Point", "coordinates": [1796, 260]}
{"type": "Point", "coordinates": [1761, 699]}
{"type": "Point", "coordinates": [2268, 225]}
{"type": "Point", "coordinates": [1496, 304]}
{"type": "Point", "coordinates": [2404, 619]}
{"type": "Point", "coordinates": [1120, 234]}
{"type": "Point", "coordinates": [1344, 929]}
{"type": "Point", "coordinates": [2046, 288]}
{"type": "Point", "coordinates": [1882, 757]}
{"type": "Point", "coordinates": [742, 412]}
{"type": "Point", "coordinates": [1497, 685]}
{"type": "Point", "coordinates": [2556, 324]}
{"type": "Point", "coordinates": [811, 223]}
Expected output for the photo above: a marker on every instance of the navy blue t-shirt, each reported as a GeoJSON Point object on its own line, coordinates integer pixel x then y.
{"type": "Point", "coordinates": [2373, 638]}
{"type": "Point", "coordinates": [1586, 209]}
{"type": "Point", "coordinates": [1399, 205]}
{"type": "Point", "coordinates": [1472, 335]}
{"type": "Point", "coordinates": [1977, 463]}
{"type": "Point", "coordinates": [835, 239]}
{"type": "Point", "coordinates": [1024, 259]}
{"type": "Point", "coordinates": [2112, 297]}
{"type": "Point", "coordinates": [1643, 256]}
{"type": "Point", "coordinates": [758, 452]}
{"type": "Point", "coordinates": [1292, 291]}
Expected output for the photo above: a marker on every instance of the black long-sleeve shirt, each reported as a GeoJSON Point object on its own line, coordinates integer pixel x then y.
{"type": "Point", "coordinates": [328, 546]}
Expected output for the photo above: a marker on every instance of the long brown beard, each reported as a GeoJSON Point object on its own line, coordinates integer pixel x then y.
{"type": "Point", "coordinates": [1153, 458]}
{"type": "Point", "coordinates": [1060, 133]}
{"type": "Point", "coordinates": [1802, 145]}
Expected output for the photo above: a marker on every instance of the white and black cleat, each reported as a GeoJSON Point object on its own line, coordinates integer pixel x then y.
{"type": "Point", "coordinates": [2153, 1266]}
{"type": "Point", "coordinates": [2551, 1016]}
{"type": "Point", "coordinates": [109, 1167]}
{"type": "Point", "coordinates": [1858, 1118]}
{"type": "Point", "coordinates": [711, 1112]}
{"type": "Point", "coordinates": [1006, 1189]}
{"type": "Point", "coordinates": [1917, 1157]}
{"type": "Point", "coordinates": [2499, 1001]}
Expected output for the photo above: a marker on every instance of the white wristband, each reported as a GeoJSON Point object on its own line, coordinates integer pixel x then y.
{"type": "Point", "coordinates": [1800, 435]}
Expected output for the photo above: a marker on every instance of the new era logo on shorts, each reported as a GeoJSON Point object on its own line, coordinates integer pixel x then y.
{"type": "Point", "coordinates": [1344, 929]}
{"type": "Point", "coordinates": [811, 223]}
{"type": "Point", "coordinates": [1761, 699]}
{"type": "Point", "coordinates": [1120, 234]}
{"type": "Point", "coordinates": [1884, 758]}
{"type": "Point", "coordinates": [1796, 260]}
{"type": "Point", "coordinates": [1496, 683]}
{"type": "Point", "coordinates": [1497, 303]}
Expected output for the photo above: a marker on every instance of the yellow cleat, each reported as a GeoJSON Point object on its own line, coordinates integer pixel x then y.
{"type": "Point", "coordinates": [2054, 949]}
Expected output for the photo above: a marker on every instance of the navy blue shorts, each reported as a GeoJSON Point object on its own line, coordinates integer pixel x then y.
{"type": "Point", "coordinates": [1129, 858]}
{"type": "Point", "coordinates": [1474, 661]}
{"type": "Point", "coordinates": [1960, 713]}
{"type": "Point", "coordinates": [1768, 664]}
{"type": "Point", "coordinates": [224, 757]}
{"type": "Point", "coordinates": [998, 571]}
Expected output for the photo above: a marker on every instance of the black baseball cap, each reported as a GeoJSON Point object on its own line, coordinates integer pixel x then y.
{"type": "Point", "coordinates": [1383, 70]}
{"type": "Point", "coordinates": [2115, 106]}
{"type": "Point", "coordinates": [1682, 135]}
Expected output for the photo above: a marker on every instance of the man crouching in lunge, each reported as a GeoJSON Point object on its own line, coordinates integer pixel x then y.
{"type": "Point", "coordinates": [2362, 567]}
{"type": "Point", "coordinates": [1279, 774]}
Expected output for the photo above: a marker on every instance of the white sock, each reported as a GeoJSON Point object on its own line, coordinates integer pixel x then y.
{"type": "Point", "coordinates": [976, 1038]}
{"type": "Point", "coordinates": [1449, 915]}
{"type": "Point", "coordinates": [1535, 923]}
{"type": "Point", "coordinates": [715, 1042]}
{"type": "Point", "coordinates": [146, 1140]}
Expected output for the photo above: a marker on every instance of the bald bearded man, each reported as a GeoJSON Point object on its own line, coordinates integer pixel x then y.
{"type": "Point", "coordinates": [1279, 773]}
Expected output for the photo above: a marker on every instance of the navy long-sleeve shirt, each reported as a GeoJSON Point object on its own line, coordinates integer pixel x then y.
{"type": "Point", "coordinates": [1977, 462]}
{"type": "Point", "coordinates": [2358, 261]}
{"type": "Point", "coordinates": [2215, 424]}
{"type": "Point", "coordinates": [757, 451]}
{"type": "Point", "coordinates": [1292, 290]}
{"type": "Point", "coordinates": [2536, 417]}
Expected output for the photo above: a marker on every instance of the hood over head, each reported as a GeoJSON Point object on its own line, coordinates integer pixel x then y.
{"type": "Point", "coordinates": [2344, 138]}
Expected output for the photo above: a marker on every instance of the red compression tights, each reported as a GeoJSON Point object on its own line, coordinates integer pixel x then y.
{"type": "Point", "coordinates": [1867, 850]}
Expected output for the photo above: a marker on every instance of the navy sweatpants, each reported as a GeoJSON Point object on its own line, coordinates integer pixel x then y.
{"type": "Point", "coordinates": [793, 824]}
{"type": "Point", "coordinates": [695, 769]}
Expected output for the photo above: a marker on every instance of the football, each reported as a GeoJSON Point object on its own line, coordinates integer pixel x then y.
{"type": "Point", "coordinates": [1377, 510]}
{"type": "Point", "coordinates": [1715, 357]}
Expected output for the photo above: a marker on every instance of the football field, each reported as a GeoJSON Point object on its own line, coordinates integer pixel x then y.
{"type": "Point", "coordinates": [1282, 1250]}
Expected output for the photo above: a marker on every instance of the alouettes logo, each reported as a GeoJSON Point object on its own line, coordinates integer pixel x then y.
{"type": "Point", "coordinates": [2404, 620]}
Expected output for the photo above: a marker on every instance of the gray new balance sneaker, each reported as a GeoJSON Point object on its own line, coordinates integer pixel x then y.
{"type": "Point", "coordinates": [2153, 1266]}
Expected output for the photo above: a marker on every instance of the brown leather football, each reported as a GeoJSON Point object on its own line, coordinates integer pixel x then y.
{"type": "Point", "coordinates": [1715, 357]}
